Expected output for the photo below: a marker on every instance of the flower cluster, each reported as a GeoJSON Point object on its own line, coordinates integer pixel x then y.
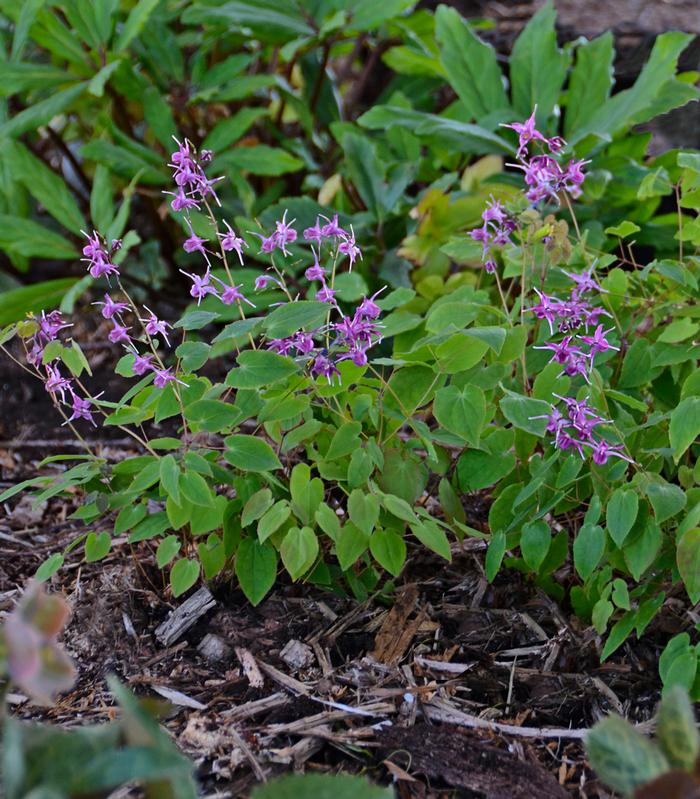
{"type": "Point", "coordinates": [346, 337]}
{"type": "Point", "coordinates": [576, 353]}
{"type": "Point", "coordinates": [496, 230]}
{"type": "Point", "coordinates": [61, 388]}
{"type": "Point", "coordinates": [544, 175]}
{"type": "Point", "coordinates": [99, 256]}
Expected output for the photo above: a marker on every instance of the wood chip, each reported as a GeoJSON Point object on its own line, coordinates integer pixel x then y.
{"type": "Point", "coordinates": [177, 697]}
{"type": "Point", "coordinates": [250, 667]}
{"type": "Point", "coordinates": [396, 633]}
{"type": "Point", "coordinates": [185, 616]}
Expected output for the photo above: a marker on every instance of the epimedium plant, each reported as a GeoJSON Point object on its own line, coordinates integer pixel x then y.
{"type": "Point", "coordinates": [559, 379]}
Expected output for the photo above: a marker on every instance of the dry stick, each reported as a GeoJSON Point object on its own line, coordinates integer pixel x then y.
{"type": "Point", "coordinates": [438, 710]}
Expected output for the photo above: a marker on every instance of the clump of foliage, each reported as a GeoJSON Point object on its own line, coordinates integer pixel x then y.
{"type": "Point", "coordinates": [281, 93]}
{"type": "Point", "coordinates": [635, 766]}
{"type": "Point", "coordinates": [38, 760]}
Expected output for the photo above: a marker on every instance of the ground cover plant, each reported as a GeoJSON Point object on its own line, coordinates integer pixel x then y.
{"type": "Point", "coordinates": [487, 299]}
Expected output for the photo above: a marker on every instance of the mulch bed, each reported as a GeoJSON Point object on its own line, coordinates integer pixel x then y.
{"type": "Point", "coordinates": [457, 689]}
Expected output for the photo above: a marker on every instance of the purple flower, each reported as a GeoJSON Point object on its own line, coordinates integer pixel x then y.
{"type": "Point", "coordinates": [195, 244]}
{"type": "Point", "coordinates": [268, 244]}
{"type": "Point", "coordinates": [282, 346]}
{"type": "Point", "coordinates": [263, 281]}
{"type": "Point", "coordinates": [165, 376]}
{"type": "Point", "coordinates": [597, 342]}
{"type": "Point", "coordinates": [110, 307]}
{"type": "Point", "coordinates": [81, 409]}
{"type": "Point", "coordinates": [349, 248]}
{"type": "Point", "coordinates": [315, 272]}
{"type": "Point", "coordinates": [98, 258]}
{"type": "Point", "coordinates": [230, 241]}
{"type": "Point", "coordinates": [232, 294]}
{"type": "Point", "coordinates": [304, 343]}
{"type": "Point", "coordinates": [55, 383]}
{"type": "Point", "coordinates": [357, 355]}
{"type": "Point", "coordinates": [50, 325]}
{"type": "Point", "coordinates": [142, 363]}
{"type": "Point", "coordinates": [332, 228]}
{"type": "Point", "coordinates": [601, 451]}
{"type": "Point", "coordinates": [155, 326]}
{"type": "Point", "coordinates": [285, 233]}
{"type": "Point", "coordinates": [313, 233]}
{"type": "Point", "coordinates": [563, 350]}
{"type": "Point", "coordinates": [325, 294]}
{"type": "Point", "coordinates": [369, 308]}
{"type": "Point", "coordinates": [182, 201]}
{"type": "Point", "coordinates": [189, 174]}
{"type": "Point", "coordinates": [324, 367]}
{"type": "Point", "coordinates": [527, 132]}
{"type": "Point", "coordinates": [201, 286]}
{"type": "Point", "coordinates": [584, 283]}
{"type": "Point", "coordinates": [119, 333]}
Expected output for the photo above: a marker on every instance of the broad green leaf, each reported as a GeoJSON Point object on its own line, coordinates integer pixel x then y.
{"type": "Point", "coordinates": [306, 493]}
{"type": "Point", "coordinates": [345, 441]}
{"type": "Point", "coordinates": [321, 786]}
{"type": "Point", "coordinates": [41, 113]}
{"type": "Point", "coordinates": [363, 509]}
{"type": "Point", "coordinates": [167, 549]}
{"type": "Point", "coordinates": [623, 757]}
{"type": "Point", "coordinates": [159, 117]}
{"type": "Point", "coordinates": [97, 545]}
{"type": "Point", "coordinates": [641, 550]}
{"type": "Point", "coordinates": [494, 554]}
{"type": "Point", "coordinates": [522, 412]}
{"type": "Point", "coordinates": [366, 171]}
{"type": "Point", "coordinates": [256, 505]}
{"type": "Point", "coordinates": [431, 535]}
{"type": "Point", "coordinates": [28, 238]}
{"type": "Point", "coordinates": [256, 569]}
{"type": "Point", "coordinates": [684, 428]}
{"type": "Point", "coordinates": [621, 514]}
{"type": "Point", "coordinates": [17, 303]}
{"type": "Point", "coordinates": [477, 469]}
{"type": "Point", "coordinates": [287, 319]}
{"type": "Point", "coordinates": [250, 454]}
{"type": "Point", "coordinates": [259, 159]}
{"type": "Point", "coordinates": [389, 550]}
{"type": "Point", "coordinates": [666, 498]}
{"type": "Point", "coordinates": [439, 130]}
{"type": "Point", "coordinates": [298, 551]}
{"type": "Point", "coordinates": [183, 575]}
{"type": "Point", "coordinates": [589, 546]}
{"type": "Point", "coordinates": [590, 81]}
{"type": "Point", "coordinates": [212, 415]}
{"type": "Point", "coordinates": [462, 412]}
{"type": "Point", "coordinates": [635, 105]}
{"type": "Point", "coordinates": [49, 567]}
{"type": "Point", "coordinates": [537, 66]}
{"type": "Point", "coordinates": [135, 23]}
{"type": "Point", "coordinates": [688, 561]}
{"type": "Point", "coordinates": [258, 368]}
{"type": "Point", "coordinates": [101, 199]}
{"type": "Point", "coordinates": [470, 64]}
{"type": "Point", "coordinates": [268, 20]}
{"type": "Point", "coordinates": [351, 543]}
{"type": "Point", "coordinates": [195, 488]}
{"type": "Point", "coordinates": [273, 519]}
{"type": "Point", "coordinates": [535, 540]}
{"type": "Point", "coordinates": [229, 131]}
